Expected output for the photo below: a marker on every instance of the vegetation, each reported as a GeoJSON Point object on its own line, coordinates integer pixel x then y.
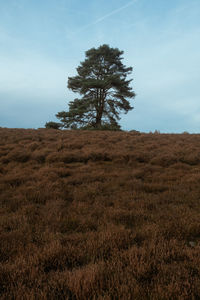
{"type": "Point", "coordinates": [53, 125]}
{"type": "Point", "coordinates": [104, 88]}
{"type": "Point", "coordinates": [99, 215]}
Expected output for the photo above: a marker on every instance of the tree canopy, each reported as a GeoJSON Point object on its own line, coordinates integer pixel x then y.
{"type": "Point", "coordinates": [104, 89]}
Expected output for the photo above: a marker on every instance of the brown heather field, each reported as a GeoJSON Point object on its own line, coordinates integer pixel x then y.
{"type": "Point", "coordinates": [99, 215]}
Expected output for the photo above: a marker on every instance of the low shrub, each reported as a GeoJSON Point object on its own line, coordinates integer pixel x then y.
{"type": "Point", "coordinates": [53, 125]}
{"type": "Point", "coordinates": [99, 215]}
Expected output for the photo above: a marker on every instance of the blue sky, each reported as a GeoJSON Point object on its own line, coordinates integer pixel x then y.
{"type": "Point", "coordinates": [43, 41]}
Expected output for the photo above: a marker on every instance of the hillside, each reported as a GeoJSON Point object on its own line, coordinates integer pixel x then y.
{"type": "Point", "coordinates": [99, 215]}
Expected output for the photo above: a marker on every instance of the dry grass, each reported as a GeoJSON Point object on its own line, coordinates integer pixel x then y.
{"type": "Point", "coordinates": [99, 215]}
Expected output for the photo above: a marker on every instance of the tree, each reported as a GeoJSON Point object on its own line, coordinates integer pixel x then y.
{"type": "Point", "coordinates": [104, 89]}
{"type": "Point", "coordinates": [53, 125]}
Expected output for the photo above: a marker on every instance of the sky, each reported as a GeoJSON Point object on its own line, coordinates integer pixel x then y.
{"type": "Point", "coordinates": [42, 42]}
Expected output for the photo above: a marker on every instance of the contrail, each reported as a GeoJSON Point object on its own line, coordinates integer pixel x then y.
{"type": "Point", "coordinates": [106, 16]}
{"type": "Point", "coordinates": [114, 12]}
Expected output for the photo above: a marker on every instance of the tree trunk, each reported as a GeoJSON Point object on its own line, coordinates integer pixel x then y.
{"type": "Point", "coordinates": [99, 108]}
{"type": "Point", "coordinates": [98, 119]}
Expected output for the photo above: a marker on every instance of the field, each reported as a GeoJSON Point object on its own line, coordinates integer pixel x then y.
{"type": "Point", "coordinates": [99, 215]}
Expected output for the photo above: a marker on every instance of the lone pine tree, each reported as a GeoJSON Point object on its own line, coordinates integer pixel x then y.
{"type": "Point", "coordinates": [104, 89]}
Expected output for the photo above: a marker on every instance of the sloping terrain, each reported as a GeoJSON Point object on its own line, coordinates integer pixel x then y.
{"type": "Point", "coordinates": [99, 215]}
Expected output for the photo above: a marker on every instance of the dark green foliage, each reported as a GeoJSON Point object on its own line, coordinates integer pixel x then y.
{"type": "Point", "coordinates": [53, 125]}
{"type": "Point", "coordinates": [105, 126]}
{"type": "Point", "coordinates": [104, 89]}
